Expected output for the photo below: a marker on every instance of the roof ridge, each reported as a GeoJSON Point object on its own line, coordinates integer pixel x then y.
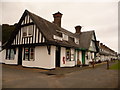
{"type": "Point", "coordinates": [52, 23]}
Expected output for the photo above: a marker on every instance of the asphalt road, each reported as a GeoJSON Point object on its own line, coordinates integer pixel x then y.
{"type": "Point", "coordinates": [99, 77]}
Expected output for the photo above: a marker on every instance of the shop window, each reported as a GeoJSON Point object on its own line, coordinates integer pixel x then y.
{"type": "Point", "coordinates": [10, 54]}
{"type": "Point", "coordinates": [68, 54]}
{"type": "Point", "coordinates": [29, 54]}
{"type": "Point", "coordinates": [72, 55]}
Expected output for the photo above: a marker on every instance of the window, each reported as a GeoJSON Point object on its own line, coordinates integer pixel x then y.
{"type": "Point", "coordinates": [65, 37]}
{"type": "Point", "coordinates": [30, 30]}
{"type": "Point", "coordinates": [32, 53]}
{"type": "Point", "coordinates": [68, 58]}
{"type": "Point", "coordinates": [10, 54]}
{"type": "Point", "coordinates": [29, 53]}
{"type": "Point", "coordinates": [27, 31]}
{"type": "Point", "coordinates": [72, 55]}
{"type": "Point", "coordinates": [26, 53]}
{"type": "Point", "coordinates": [76, 40]}
{"type": "Point", "coordinates": [24, 32]}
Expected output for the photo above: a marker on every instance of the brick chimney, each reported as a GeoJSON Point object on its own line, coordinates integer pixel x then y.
{"type": "Point", "coordinates": [57, 18]}
{"type": "Point", "coordinates": [101, 45]}
{"type": "Point", "coordinates": [78, 29]}
{"type": "Point", "coordinates": [97, 42]}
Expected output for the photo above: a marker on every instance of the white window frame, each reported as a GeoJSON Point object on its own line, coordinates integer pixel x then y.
{"type": "Point", "coordinates": [10, 54]}
{"type": "Point", "coordinates": [65, 37]}
{"type": "Point", "coordinates": [76, 40]}
{"type": "Point", "coordinates": [27, 28]}
{"type": "Point", "coordinates": [29, 54]}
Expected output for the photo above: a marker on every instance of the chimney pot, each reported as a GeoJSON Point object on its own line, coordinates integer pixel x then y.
{"type": "Point", "coordinates": [57, 18]}
{"type": "Point", "coordinates": [78, 29]}
{"type": "Point", "coordinates": [97, 42]}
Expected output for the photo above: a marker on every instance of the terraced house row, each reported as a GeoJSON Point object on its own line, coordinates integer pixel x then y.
{"type": "Point", "coordinates": [36, 42]}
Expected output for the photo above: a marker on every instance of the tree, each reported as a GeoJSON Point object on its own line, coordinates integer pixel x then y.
{"type": "Point", "coordinates": [6, 32]}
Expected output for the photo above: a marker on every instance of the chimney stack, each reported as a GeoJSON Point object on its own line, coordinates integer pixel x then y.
{"type": "Point", "coordinates": [97, 42]}
{"type": "Point", "coordinates": [78, 29]}
{"type": "Point", "coordinates": [57, 18]}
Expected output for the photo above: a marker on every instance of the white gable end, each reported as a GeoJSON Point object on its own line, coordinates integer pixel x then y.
{"type": "Point", "coordinates": [28, 33]}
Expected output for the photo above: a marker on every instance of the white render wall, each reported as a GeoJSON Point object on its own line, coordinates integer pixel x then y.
{"type": "Point", "coordinates": [67, 63]}
{"type": "Point", "coordinates": [2, 56]}
{"type": "Point", "coordinates": [102, 58]}
{"type": "Point", "coordinates": [42, 58]}
{"type": "Point", "coordinates": [80, 56]}
{"type": "Point", "coordinates": [14, 61]}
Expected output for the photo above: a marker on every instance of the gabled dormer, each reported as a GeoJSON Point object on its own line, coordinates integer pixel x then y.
{"type": "Point", "coordinates": [93, 43]}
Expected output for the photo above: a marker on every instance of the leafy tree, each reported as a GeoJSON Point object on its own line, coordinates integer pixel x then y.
{"type": "Point", "coordinates": [6, 32]}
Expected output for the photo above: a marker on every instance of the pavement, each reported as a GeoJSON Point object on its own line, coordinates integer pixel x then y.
{"type": "Point", "coordinates": [76, 77]}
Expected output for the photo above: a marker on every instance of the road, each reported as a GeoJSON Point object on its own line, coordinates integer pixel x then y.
{"type": "Point", "coordinates": [19, 77]}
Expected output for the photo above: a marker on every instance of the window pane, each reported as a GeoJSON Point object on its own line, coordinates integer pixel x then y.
{"type": "Point", "coordinates": [67, 54]}
{"type": "Point", "coordinates": [32, 53]}
{"type": "Point", "coordinates": [12, 54]}
{"type": "Point", "coordinates": [24, 30]}
{"type": "Point", "coordinates": [30, 30]}
{"type": "Point", "coordinates": [8, 51]}
{"type": "Point", "coordinates": [72, 54]}
{"type": "Point", "coordinates": [26, 53]}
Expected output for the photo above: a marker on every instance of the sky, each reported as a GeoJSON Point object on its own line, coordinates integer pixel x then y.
{"type": "Point", "coordinates": [98, 15]}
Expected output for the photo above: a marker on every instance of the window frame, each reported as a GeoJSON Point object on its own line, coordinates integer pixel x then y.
{"type": "Point", "coordinates": [26, 29]}
{"type": "Point", "coordinates": [69, 56]}
{"type": "Point", "coordinates": [29, 54]}
{"type": "Point", "coordinates": [9, 55]}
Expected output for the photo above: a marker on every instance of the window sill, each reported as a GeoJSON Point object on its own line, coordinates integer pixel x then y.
{"type": "Point", "coordinates": [9, 59]}
{"type": "Point", "coordinates": [29, 60]}
{"type": "Point", "coordinates": [70, 61]}
{"type": "Point", "coordinates": [27, 36]}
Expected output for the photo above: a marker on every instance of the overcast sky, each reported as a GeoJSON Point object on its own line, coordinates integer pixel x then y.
{"type": "Point", "coordinates": [99, 16]}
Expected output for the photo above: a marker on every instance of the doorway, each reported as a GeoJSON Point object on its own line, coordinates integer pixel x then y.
{"type": "Point", "coordinates": [57, 56]}
{"type": "Point", "coordinates": [83, 57]}
{"type": "Point", "coordinates": [19, 55]}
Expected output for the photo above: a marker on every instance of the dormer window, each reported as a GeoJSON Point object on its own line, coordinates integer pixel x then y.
{"type": "Point", "coordinates": [27, 31]}
{"type": "Point", "coordinates": [76, 40]}
{"type": "Point", "coordinates": [65, 37]}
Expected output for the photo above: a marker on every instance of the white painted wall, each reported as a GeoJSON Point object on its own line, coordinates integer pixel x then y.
{"type": "Point", "coordinates": [80, 56]}
{"type": "Point", "coordinates": [14, 61]}
{"type": "Point", "coordinates": [76, 57]}
{"type": "Point", "coordinates": [2, 56]}
{"type": "Point", "coordinates": [42, 58]}
{"type": "Point", "coordinates": [102, 58]}
{"type": "Point", "coordinates": [67, 63]}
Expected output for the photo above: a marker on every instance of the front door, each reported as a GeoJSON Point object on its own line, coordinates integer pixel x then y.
{"type": "Point", "coordinates": [57, 56]}
{"type": "Point", "coordinates": [19, 55]}
{"type": "Point", "coordinates": [83, 57]}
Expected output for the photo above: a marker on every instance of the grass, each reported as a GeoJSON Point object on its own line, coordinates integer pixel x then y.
{"type": "Point", "coordinates": [116, 66]}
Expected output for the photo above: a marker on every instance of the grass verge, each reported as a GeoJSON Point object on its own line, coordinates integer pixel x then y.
{"type": "Point", "coordinates": [116, 66]}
